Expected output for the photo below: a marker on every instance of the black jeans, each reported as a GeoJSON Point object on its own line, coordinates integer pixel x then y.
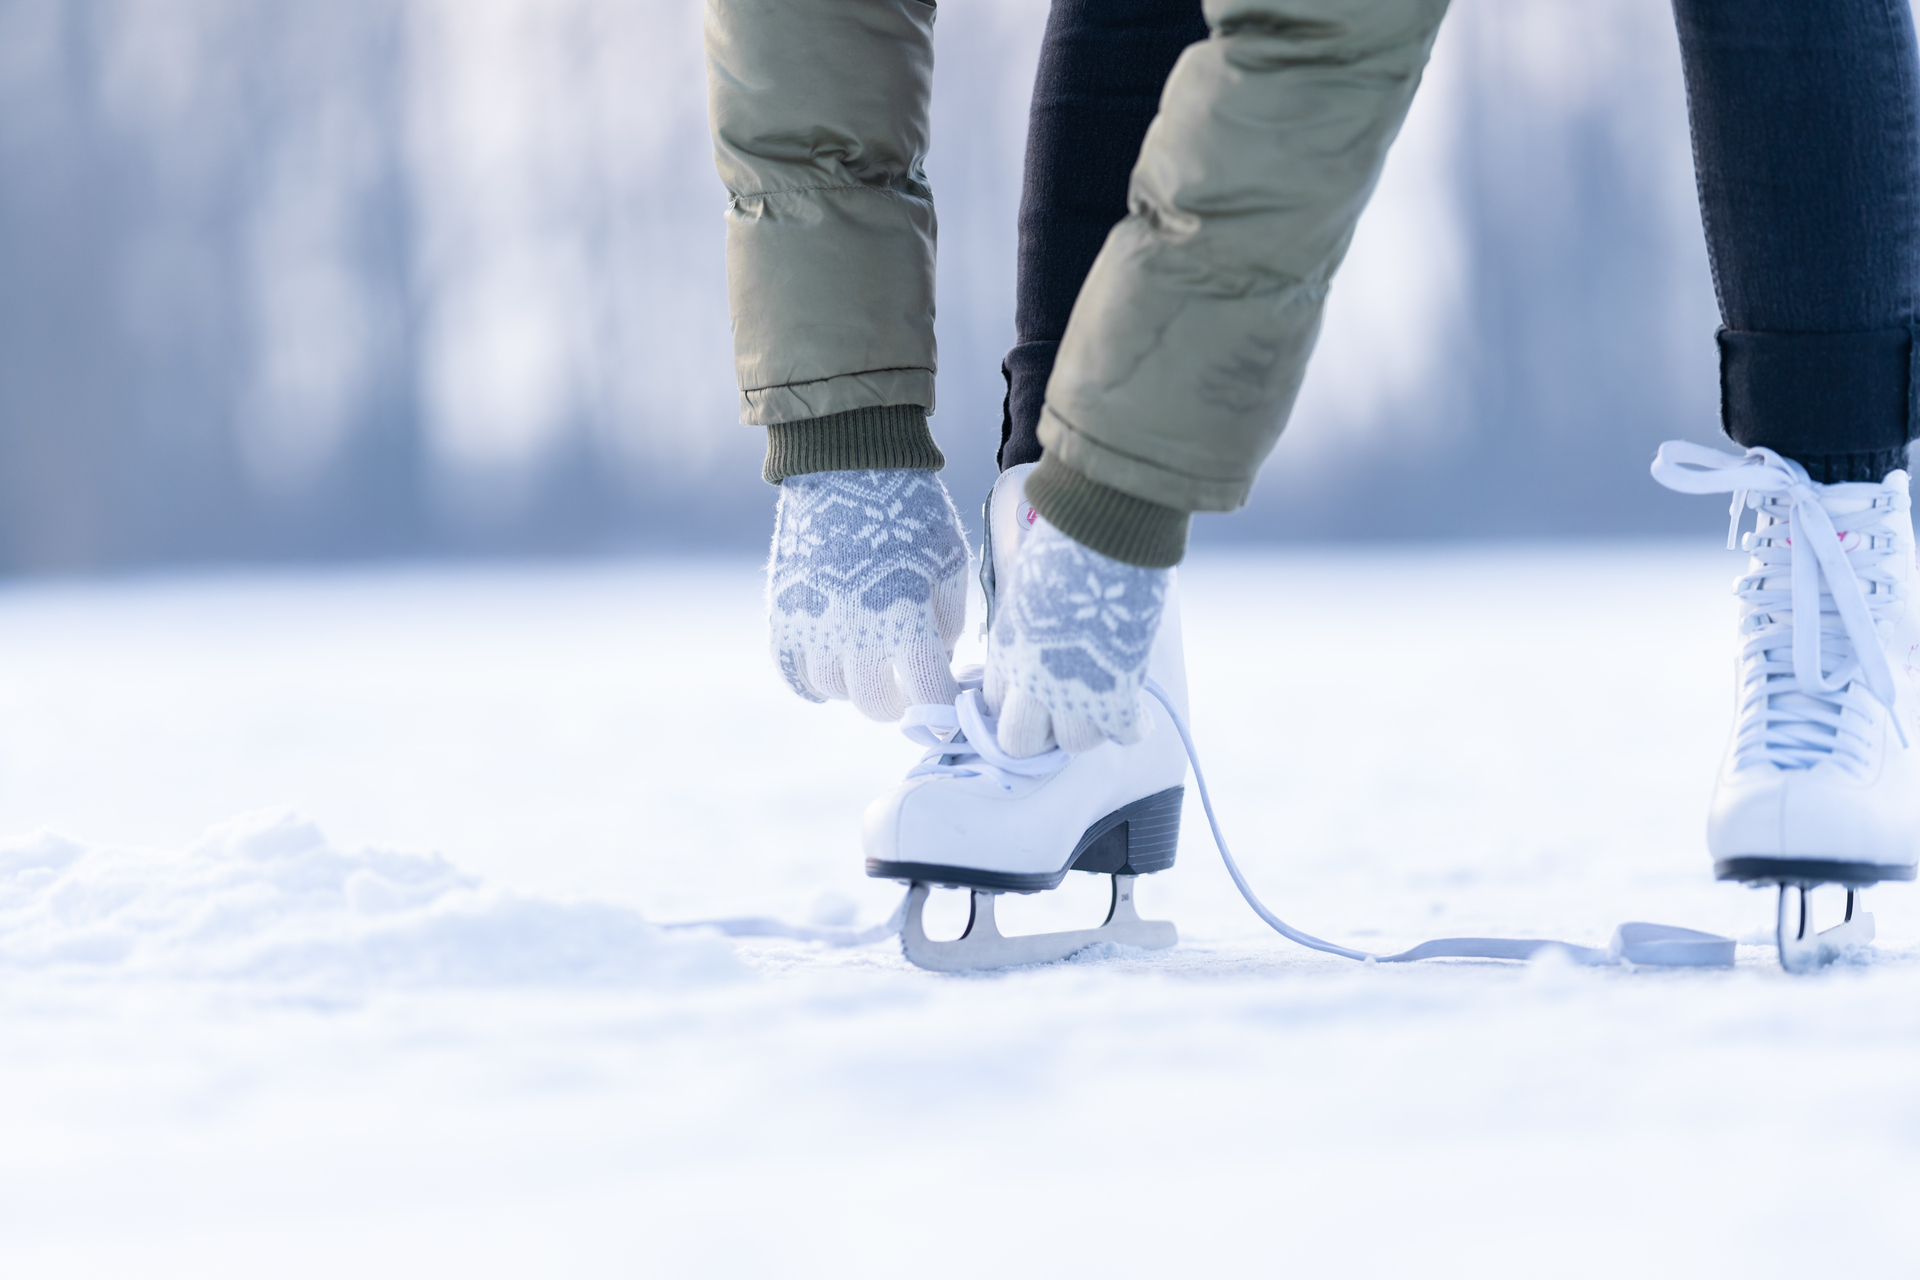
{"type": "Point", "coordinates": [1806, 145]}
{"type": "Point", "coordinates": [1102, 65]}
{"type": "Point", "coordinates": [1806, 137]}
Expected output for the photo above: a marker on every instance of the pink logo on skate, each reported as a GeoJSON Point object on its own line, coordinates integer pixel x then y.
{"type": "Point", "coordinates": [1026, 515]}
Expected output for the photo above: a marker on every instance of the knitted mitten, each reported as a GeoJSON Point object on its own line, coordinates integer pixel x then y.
{"type": "Point", "coordinates": [1071, 635]}
{"type": "Point", "coordinates": [866, 589]}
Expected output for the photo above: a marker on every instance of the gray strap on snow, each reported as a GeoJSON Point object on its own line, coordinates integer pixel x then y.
{"type": "Point", "coordinates": [1634, 943]}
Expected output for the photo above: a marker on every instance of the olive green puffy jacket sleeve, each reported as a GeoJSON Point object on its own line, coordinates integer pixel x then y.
{"type": "Point", "coordinates": [819, 113]}
{"type": "Point", "coordinates": [1191, 335]}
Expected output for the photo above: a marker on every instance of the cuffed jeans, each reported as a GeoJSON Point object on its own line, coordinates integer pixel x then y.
{"type": "Point", "coordinates": [1806, 143]}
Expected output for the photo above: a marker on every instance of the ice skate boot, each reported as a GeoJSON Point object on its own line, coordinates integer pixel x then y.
{"type": "Point", "coordinates": [1820, 783]}
{"type": "Point", "coordinates": [970, 816]}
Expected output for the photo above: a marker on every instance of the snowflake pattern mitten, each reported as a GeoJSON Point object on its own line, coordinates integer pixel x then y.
{"type": "Point", "coordinates": [1071, 637]}
{"type": "Point", "coordinates": [866, 588]}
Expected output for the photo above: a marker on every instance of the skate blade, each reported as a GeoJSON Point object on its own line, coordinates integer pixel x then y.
{"type": "Point", "coordinates": [983, 946]}
{"type": "Point", "coordinates": [1802, 950]}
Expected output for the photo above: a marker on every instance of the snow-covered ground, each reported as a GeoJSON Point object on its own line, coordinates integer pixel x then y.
{"type": "Point", "coordinates": [337, 963]}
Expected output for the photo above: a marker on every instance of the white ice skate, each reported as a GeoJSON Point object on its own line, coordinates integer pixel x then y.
{"type": "Point", "coordinates": [969, 816]}
{"type": "Point", "coordinates": [1820, 783]}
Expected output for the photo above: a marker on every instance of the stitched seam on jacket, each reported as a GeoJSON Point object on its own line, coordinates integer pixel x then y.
{"type": "Point", "coordinates": [849, 186]}
{"type": "Point", "coordinates": [857, 373]}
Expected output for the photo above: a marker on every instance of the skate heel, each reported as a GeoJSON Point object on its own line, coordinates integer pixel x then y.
{"type": "Point", "coordinates": [1811, 871]}
{"type": "Point", "coordinates": [1135, 839]}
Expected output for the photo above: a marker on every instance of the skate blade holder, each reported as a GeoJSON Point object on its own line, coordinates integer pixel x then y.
{"type": "Point", "coordinates": [983, 946]}
{"type": "Point", "coordinates": [1802, 948]}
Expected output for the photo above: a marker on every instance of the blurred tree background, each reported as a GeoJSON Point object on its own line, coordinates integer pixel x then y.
{"type": "Point", "coordinates": [316, 279]}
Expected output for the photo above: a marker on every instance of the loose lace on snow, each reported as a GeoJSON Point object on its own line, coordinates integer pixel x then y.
{"type": "Point", "coordinates": [1811, 654]}
{"type": "Point", "coordinates": [960, 741]}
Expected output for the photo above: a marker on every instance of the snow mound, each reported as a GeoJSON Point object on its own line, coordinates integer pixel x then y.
{"type": "Point", "coordinates": [265, 899]}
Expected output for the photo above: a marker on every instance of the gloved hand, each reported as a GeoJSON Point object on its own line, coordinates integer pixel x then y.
{"type": "Point", "coordinates": [1072, 632]}
{"type": "Point", "coordinates": [867, 589]}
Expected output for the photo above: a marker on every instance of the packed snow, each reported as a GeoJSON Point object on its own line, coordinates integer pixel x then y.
{"type": "Point", "coordinates": [327, 948]}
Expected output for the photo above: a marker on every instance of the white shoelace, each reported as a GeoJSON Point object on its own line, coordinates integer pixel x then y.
{"type": "Point", "coordinates": [960, 741]}
{"type": "Point", "coordinates": [963, 739]}
{"type": "Point", "coordinates": [1812, 653]}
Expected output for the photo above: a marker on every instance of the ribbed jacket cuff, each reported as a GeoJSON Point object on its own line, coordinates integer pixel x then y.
{"type": "Point", "coordinates": [1117, 525]}
{"type": "Point", "coordinates": [892, 437]}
